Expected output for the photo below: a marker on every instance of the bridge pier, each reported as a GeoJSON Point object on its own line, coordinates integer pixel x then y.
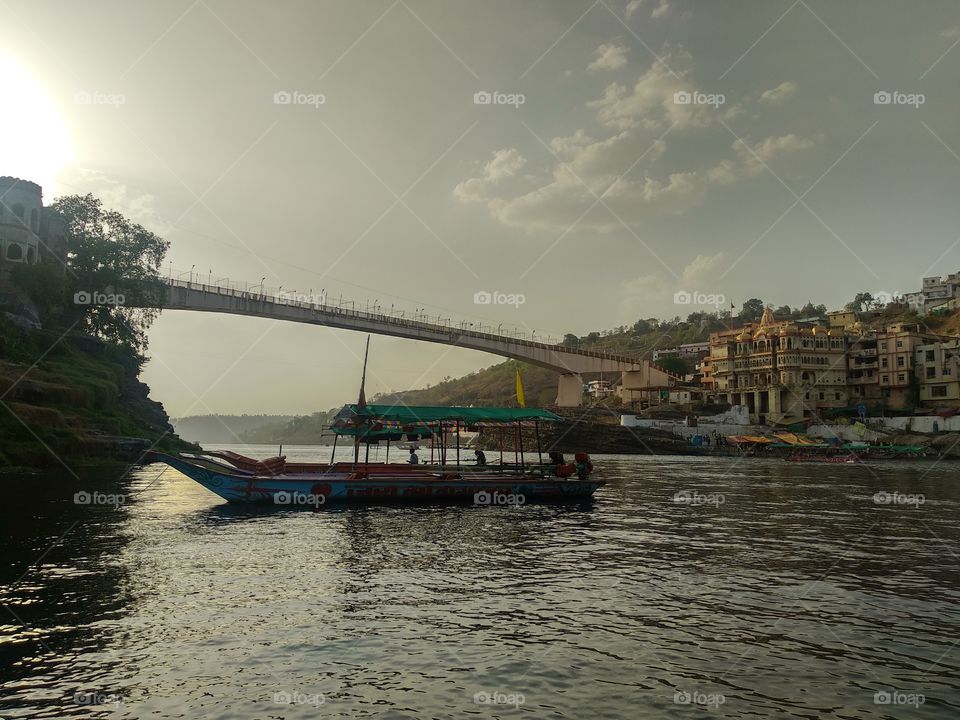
{"type": "Point", "coordinates": [570, 390]}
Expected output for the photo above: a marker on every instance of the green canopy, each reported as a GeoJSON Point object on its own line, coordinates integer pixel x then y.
{"type": "Point", "coordinates": [402, 416]}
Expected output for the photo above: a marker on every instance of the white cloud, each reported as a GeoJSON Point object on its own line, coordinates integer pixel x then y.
{"type": "Point", "coordinates": [609, 57]}
{"type": "Point", "coordinates": [505, 164]}
{"type": "Point", "coordinates": [781, 92]}
{"type": "Point", "coordinates": [755, 157]}
{"type": "Point", "coordinates": [630, 171]}
{"type": "Point", "coordinates": [653, 294]}
{"type": "Point", "coordinates": [662, 8]}
{"type": "Point", "coordinates": [115, 195]}
{"type": "Point", "coordinates": [650, 102]}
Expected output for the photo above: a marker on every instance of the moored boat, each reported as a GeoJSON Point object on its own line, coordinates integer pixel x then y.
{"type": "Point", "coordinates": [236, 478]}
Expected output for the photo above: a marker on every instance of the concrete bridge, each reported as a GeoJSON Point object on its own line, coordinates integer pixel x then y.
{"type": "Point", "coordinates": [570, 363]}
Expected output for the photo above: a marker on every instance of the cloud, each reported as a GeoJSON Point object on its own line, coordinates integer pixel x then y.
{"type": "Point", "coordinates": [505, 164]}
{"type": "Point", "coordinates": [116, 195]}
{"type": "Point", "coordinates": [653, 294]}
{"type": "Point", "coordinates": [629, 176]}
{"type": "Point", "coordinates": [662, 8]}
{"type": "Point", "coordinates": [651, 102]}
{"type": "Point", "coordinates": [781, 92]}
{"type": "Point", "coordinates": [609, 57]}
{"type": "Point", "coordinates": [754, 158]}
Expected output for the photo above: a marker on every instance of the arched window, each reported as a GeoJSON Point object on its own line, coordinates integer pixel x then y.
{"type": "Point", "coordinates": [34, 220]}
{"type": "Point", "coordinates": [14, 252]}
{"type": "Point", "coordinates": [18, 210]}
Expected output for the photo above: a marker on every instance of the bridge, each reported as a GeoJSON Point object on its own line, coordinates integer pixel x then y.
{"type": "Point", "coordinates": [258, 301]}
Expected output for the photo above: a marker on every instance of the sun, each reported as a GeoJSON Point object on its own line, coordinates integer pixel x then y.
{"type": "Point", "coordinates": [34, 140]}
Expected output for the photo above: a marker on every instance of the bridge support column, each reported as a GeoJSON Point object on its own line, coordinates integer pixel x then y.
{"type": "Point", "coordinates": [570, 390]}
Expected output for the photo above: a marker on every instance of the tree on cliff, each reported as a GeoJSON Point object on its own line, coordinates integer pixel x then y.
{"type": "Point", "coordinates": [113, 265]}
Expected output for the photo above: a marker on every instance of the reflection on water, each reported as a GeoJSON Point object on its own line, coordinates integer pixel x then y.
{"type": "Point", "coordinates": [689, 587]}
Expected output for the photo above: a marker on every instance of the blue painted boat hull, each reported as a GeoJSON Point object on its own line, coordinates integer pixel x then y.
{"type": "Point", "coordinates": [317, 489]}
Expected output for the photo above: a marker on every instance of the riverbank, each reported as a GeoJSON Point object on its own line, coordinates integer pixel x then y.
{"type": "Point", "coordinates": [73, 400]}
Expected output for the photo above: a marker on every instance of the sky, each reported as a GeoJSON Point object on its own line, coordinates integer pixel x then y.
{"type": "Point", "coordinates": [602, 162]}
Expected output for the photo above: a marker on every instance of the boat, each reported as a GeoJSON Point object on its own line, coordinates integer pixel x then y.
{"type": "Point", "coordinates": [237, 478]}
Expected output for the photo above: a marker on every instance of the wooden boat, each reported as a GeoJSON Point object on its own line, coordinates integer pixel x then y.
{"type": "Point", "coordinates": [237, 478]}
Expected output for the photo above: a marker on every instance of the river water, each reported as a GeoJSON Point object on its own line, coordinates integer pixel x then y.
{"type": "Point", "coordinates": [762, 589]}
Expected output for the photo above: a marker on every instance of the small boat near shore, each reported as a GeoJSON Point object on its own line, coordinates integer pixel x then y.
{"type": "Point", "coordinates": [237, 478]}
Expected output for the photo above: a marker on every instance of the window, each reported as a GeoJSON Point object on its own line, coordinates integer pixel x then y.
{"type": "Point", "coordinates": [946, 371]}
{"type": "Point", "coordinates": [883, 346]}
{"type": "Point", "coordinates": [30, 255]}
{"type": "Point", "coordinates": [884, 378]}
{"type": "Point", "coordinates": [899, 343]}
{"type": "Point", "coordinates": [900, 378]}
{"type": "Point", "coordinates": [929, 355]}
{"type": "Point", "coordinates": [938, 391]}
{"type": "Point", "coordinates": [836, 396]}
{"type": "Point", "coordinates": [14, 252]}
{"type": "Point", "coordinates": [883, 362]}
{"type": "Point", "coordinates": [931, 372]}
{"type": "Point", "coordinates": [821, 396]}
{"type": "Point", "coordinates": [900, 361]}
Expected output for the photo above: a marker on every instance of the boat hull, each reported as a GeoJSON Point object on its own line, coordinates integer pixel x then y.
{"type": "Point", "coordinates": [482, 488]}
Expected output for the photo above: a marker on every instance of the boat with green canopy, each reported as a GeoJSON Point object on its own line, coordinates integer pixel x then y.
{"type": "Point", "coordinates": [444, 476]}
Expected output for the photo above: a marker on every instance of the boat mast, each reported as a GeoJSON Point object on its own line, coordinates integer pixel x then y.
{"type": "Point", "coordinates": [361, 404]}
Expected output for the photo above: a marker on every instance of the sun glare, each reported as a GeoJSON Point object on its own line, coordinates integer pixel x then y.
{"type": "Point", "coordinates": [34, 141]}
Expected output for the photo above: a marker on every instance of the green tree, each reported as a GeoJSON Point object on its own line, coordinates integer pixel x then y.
{"type": "Point", "coordinates": [117, 258]}
{"type": "Point", "coordinates": [570, 340]}
{"type": "Point", "coordinates": [752, 310]}
{"type": "Point", "coordinates": [673, 364]}
{"type": "Point", "coordinates": [861, 301]}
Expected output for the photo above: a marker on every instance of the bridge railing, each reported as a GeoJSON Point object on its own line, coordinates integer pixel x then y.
{"type": "Point", "coordinates": [414, 320]}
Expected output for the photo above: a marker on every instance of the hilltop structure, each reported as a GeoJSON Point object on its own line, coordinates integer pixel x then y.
{"type": "Point", "coordinates": [29, 233]}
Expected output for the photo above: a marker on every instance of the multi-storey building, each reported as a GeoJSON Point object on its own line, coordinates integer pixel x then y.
{"type": "Point", "coordinates": [782, 372]}
{"type": "Point", "coordinates": [937, 368]}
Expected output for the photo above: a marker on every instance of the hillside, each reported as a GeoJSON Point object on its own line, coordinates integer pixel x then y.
{"type": "Point", "coordinates": [496, 385]}
{"type": "Point", "coordinates": [80, 404]}
{"type": "Point", "coordinates": [223, 428]}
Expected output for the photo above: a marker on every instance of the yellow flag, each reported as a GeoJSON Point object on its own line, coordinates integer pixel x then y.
{"type": "Point", "coordinates": [521, 401]}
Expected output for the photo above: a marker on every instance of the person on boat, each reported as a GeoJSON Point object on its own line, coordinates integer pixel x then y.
{"type": "Point", "coordinates": [413, 459]}
{"type": "Point", "coordinates": [583, 465]}
{"type": "Point", "coordinates": [481, 458]}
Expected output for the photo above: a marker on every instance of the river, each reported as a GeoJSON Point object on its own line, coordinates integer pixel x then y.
{"type": "Point", "coordinates": [690, 587]}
